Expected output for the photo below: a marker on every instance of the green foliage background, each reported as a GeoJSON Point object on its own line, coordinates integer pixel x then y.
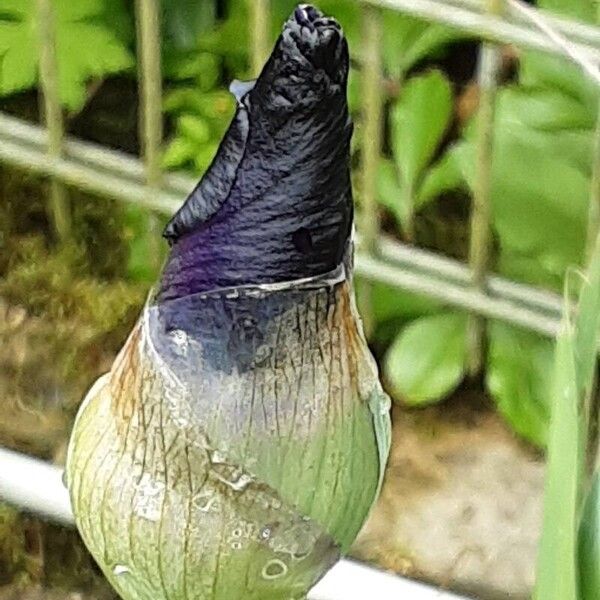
{"type": "Point", "coordinates": [541, 171]}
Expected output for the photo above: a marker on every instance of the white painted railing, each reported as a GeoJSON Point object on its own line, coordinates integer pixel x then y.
{"type": "Point", "coordinates": [37, 487]}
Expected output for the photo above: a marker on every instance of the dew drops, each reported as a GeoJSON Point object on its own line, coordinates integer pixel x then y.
{"type": "Point", "coordinates": [237, 481]}
{"type": "Point", "coordinates": [180, 339]}
{"type": "Point", "coordinates": [121, 570]}
{"type": "Point", "coordinates": [263, 352]}
{"type": "Point", "coordinates": [149, 498]}
{"type": "Point", "coordinates": [274, 569]}
{"type": "Point", "coordinates": [240, 483]}
{"type": "Point", "coordinates": [217, 458]}
{"type": "Point", "coordinates": [207, 501]}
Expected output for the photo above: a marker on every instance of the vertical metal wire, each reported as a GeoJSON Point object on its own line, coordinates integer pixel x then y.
{"type": "Point", "coordinates": [60, 214]}
{"type": "Point", "coordinates": [594, 214]}
{"type": "Point", "coordinates": [481, 214]}
{"type": "Point", "coordinates": [259, 33]}
{"type": "Point", "coordinates": [150, 126]}
{"type": "Point", "coordinates": [372, 91]}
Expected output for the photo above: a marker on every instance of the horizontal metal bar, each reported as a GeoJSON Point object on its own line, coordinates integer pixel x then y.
{"type": "Point", "coordinates": [568, 48]}
{"type": "Point", "coordinates": [537, 299]}
{"type": "Point", "coordinates": [97, 181]}
{"type": "Point", "coordinates": [117, 175]}
{"type": "Point", "coordinates": [576, 31]}
{"type": "Point", "coordinates": [90, 154]}
{"type": "Point", "coordinates": [350, 580]}
{"type": "Point", "coordinates": [37, 487]}
{"type": "Point", "coordinates": [457, 296]}
{"type": "Point", "coordinates": [471, 18]}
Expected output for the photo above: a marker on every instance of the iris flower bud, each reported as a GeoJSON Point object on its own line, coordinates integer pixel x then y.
{"type": "Point", "coordinates": [237, 444]}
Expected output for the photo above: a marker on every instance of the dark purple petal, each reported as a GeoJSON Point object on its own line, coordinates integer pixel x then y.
{"type": "Point", "coordinates": [276, 204]}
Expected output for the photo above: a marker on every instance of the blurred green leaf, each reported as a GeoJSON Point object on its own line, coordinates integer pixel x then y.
{"type": "Point", "coordinates": [419, 120]}
{"type": "Point", "coordinates": [540, 206]}
{"type": "Point", "coordinates": [390, 303]}
{"type": "Point", "coordinates": [140, 265]}
{"type": "Point", "coordinates": [216, 105]}
{"type": "Point", "coordinates": [407, 41]}
{"type": "Point", "coordinates": [179, 152]}
{"type": "Point", "coordinates": [204, 156]}
{"type": "Point", "coordinates": [539, 199]}
{"type": "Point", "coordinates": [547, 72]}
{"type": "Point", "coordinates": [589, 544]}
{"type": "Point", "coordinates": [184, 20]}
{"type": "Point", "coordinates": [556, 578]}
{"type": "Point", "coordinates": [427, 359]}
{"type": "Point", "coordinates": [517, 377]}
{"type": "Point", "coordinates": [546, 109]}
{"type": "Point", "coordinates": [587, 336]}
{"type": "Point", "coordinates": [202, 67]}
{"type": "Point", "coordinates": [87, 46]}
{"type": "Point", "coordinates": [443, 176]}
{"type": "Point", "coordinates": [588, 325]}
{"type": "Point", "coordinates": [546, 120]}
{"type": "Point", "coordinates": [230, 40]}
{"type": "Point", "coordinates": [532, 127]}
{"type": "Point", "coordinates": [389, 192]}
{"type": "Point", "coordinates": [560, 569]}
{"type": "Point", "coordinates": [201, 119]}
{"type": "Point", "coordinates": [543, 140]}
{"type": "Point", "coordinates": [530, 268]}
{"type": "Point", "coordinates": [585, 10]}
{"type": "Point", "coordinates": [194, 128]}
{"type": "Point", "coordinates": [354, 93]}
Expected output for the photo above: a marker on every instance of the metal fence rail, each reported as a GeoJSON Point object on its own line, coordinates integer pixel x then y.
{"type": "Point", "coordinates": [116, 175]}
{"type": "Point", "coordinates": [38, 488]}
{"type": "Point", "coordinates": [46, 151]}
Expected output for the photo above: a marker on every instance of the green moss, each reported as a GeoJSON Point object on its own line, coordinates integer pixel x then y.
{"type": "Point", "coordinates": [65, 310]}
{"type": "Point", "coordinates": [78, 303]}
{"type": "Point", "coordinates": [34, 553]}
{"type": "Point", "coordinates": [12, 544]}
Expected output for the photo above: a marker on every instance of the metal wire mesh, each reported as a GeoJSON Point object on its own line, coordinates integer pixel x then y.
{"type": "Point", "coordinates": [90, 167]}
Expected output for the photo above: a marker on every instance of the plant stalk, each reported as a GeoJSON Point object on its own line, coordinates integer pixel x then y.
{"type": "Point", "coordinates": [60, 214]}
{"type": "Point", "coordinates": [372, 123]}
{"type": "Point", "coordinates": [259, 33]}
{"type": "Point", "coordinates": [481, 212]}
{"type": "Point", "coordinates": [150, 123]}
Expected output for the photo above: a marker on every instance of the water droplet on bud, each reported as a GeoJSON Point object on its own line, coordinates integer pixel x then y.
{"type": "Point", "coordinates": [121, 570]}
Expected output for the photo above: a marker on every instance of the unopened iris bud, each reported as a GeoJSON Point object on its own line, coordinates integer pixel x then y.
{"type": "Point", "coordinates": [238, 442]}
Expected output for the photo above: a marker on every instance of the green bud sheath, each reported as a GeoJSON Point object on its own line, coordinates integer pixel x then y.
{"type": "Point", "coordinates": [237, 444]}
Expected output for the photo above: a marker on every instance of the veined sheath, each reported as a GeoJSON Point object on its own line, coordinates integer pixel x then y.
{"type": "Point", "coordinates": [238, 442]}
{"type": "Point", "coordinates": [237, 456]}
